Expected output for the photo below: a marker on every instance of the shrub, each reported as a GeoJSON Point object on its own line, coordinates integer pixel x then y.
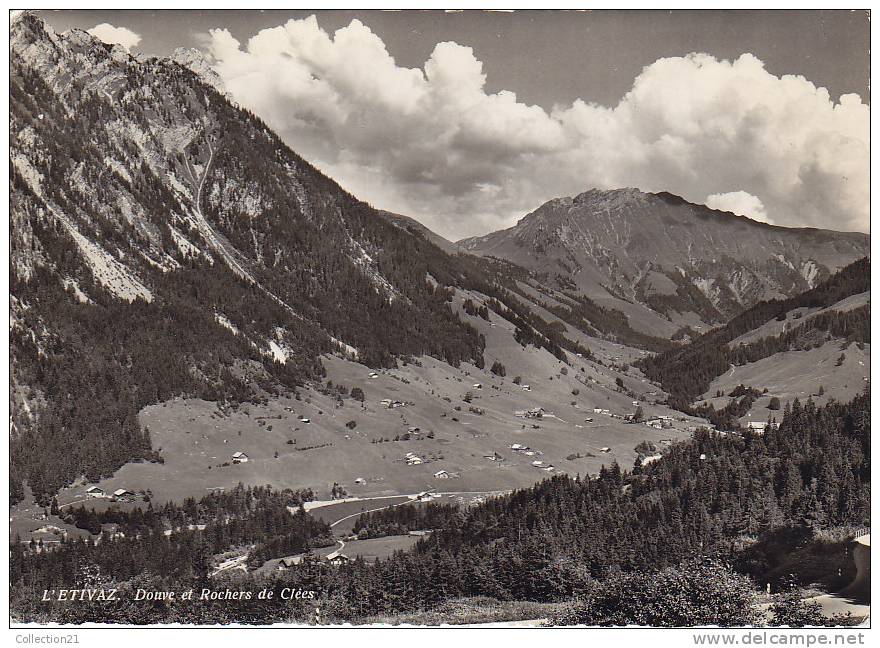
{"type": "Point", "coordinates": [694, 593]}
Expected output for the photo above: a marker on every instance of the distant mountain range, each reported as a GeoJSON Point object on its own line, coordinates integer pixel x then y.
{"type": "Point", "coordinates": [665, 262]}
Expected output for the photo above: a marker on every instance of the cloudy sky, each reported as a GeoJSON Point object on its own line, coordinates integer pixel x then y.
{"type": "Point", "coordinates": [468, 121]}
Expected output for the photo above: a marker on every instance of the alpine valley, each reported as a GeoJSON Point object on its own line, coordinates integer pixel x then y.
{"type": "Point", "coordinates": [205, 327]}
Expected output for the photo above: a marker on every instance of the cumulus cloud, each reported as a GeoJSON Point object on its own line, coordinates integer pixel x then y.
{"type": "Point", "coordinates": [116, 35]}
{"type": "Point", "coordinates": [739, 202]}
{"type": "Point", "coordinates": [432, 143]}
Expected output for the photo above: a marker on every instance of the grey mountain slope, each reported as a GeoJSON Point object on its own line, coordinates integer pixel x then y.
{"type": "Point", "coordinates": [656, 255]}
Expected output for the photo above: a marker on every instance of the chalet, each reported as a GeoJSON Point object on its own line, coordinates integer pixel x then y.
{"type": "Point", "coordinates": [441, 474]}
{"type": "Point", "coordinates": [123, 495]}
{"type": "Point", "coordinates": [289, 561]}
{"type": "Point", "coordinates": [605, 449]}
{"type": "Point", "coordinates": [373, 374]}
{"type": "Point", "coordinates": [419, 532]}
{"type": "Point", "coordinates": [338, 560]}
{"type": "Point", "coordinates": [518, 446]}
{"type": "Point", "coordinates": [589, 419]}
{"type": "Point", "coordinates": [239, 458]}
{"type": "Point", "coordinates": [665, 417]}
{"type": "Point", "coordinates": [95, 491]}
{"type": "Point", "coordinates": [526, 388]}
{"type": "Point", "coordinates": [360, 481]}
{"type": "Point", "coordinates": [597, 410]}
{"type": "Point", "coordinates": [537, 463]}
{"type": "Point", "coordinates": [477, 386]}
{"type": "Point", "coordinates": [548, 468]}
{"type": "Point", "coordinates": [656, 423]}
{"type": "Point", "coordinates": [414, 430]}
{"type": "Point", "coordinates": [635, 403]}
{"type": "Point", "coordinates": [305, 419]}
{"type": "Point", "coordinates": [758, 427]}
{"type": "Point", "coordinates": [414, 461]}
{"type": "Point", "coordinates": [651, 459]}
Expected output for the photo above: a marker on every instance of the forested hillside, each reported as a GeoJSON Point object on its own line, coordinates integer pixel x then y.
{"type": "Point", "coordinates": [166, 242]}
{"type": "Point", "coordinates": [686, 372]}
{"type": "Point", "coordinates": [545, 543]}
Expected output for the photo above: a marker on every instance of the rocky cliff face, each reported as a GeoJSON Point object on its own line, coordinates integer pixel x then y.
{"type": "Point", "coordinates": [656, 252]}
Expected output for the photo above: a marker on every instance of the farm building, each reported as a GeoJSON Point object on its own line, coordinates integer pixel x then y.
{"type": "Point", "coordinates": [239, 458]}
{"type": "Point", "coordinates": [95, 491]}
{"type": "Point", "coordinates": [757, 427]}
{"type": "Point", "coordinates": [286, 563]}
{"type": "Point", "coordinates": [123, 494]}
{"type": "Point", "coordinates": [861, 553]}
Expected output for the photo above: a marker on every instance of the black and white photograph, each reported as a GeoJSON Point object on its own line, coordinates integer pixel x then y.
{"type": "Point", "coordinates": [475, 318]}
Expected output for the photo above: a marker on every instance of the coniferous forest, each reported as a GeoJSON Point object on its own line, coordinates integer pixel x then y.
{"type": "Point", "coordinates": [700, 514]}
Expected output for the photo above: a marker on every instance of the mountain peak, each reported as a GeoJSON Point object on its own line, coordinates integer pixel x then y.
{"type": "Point", "coordinates": [195, 60]}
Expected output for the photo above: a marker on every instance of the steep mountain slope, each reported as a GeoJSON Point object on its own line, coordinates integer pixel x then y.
{"type": "Point", "coordinates": [412, 225]}
{"type": "Point", "coordinates": [664, 262]}
{"type": "Point", "coordinates": [164, 241]}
